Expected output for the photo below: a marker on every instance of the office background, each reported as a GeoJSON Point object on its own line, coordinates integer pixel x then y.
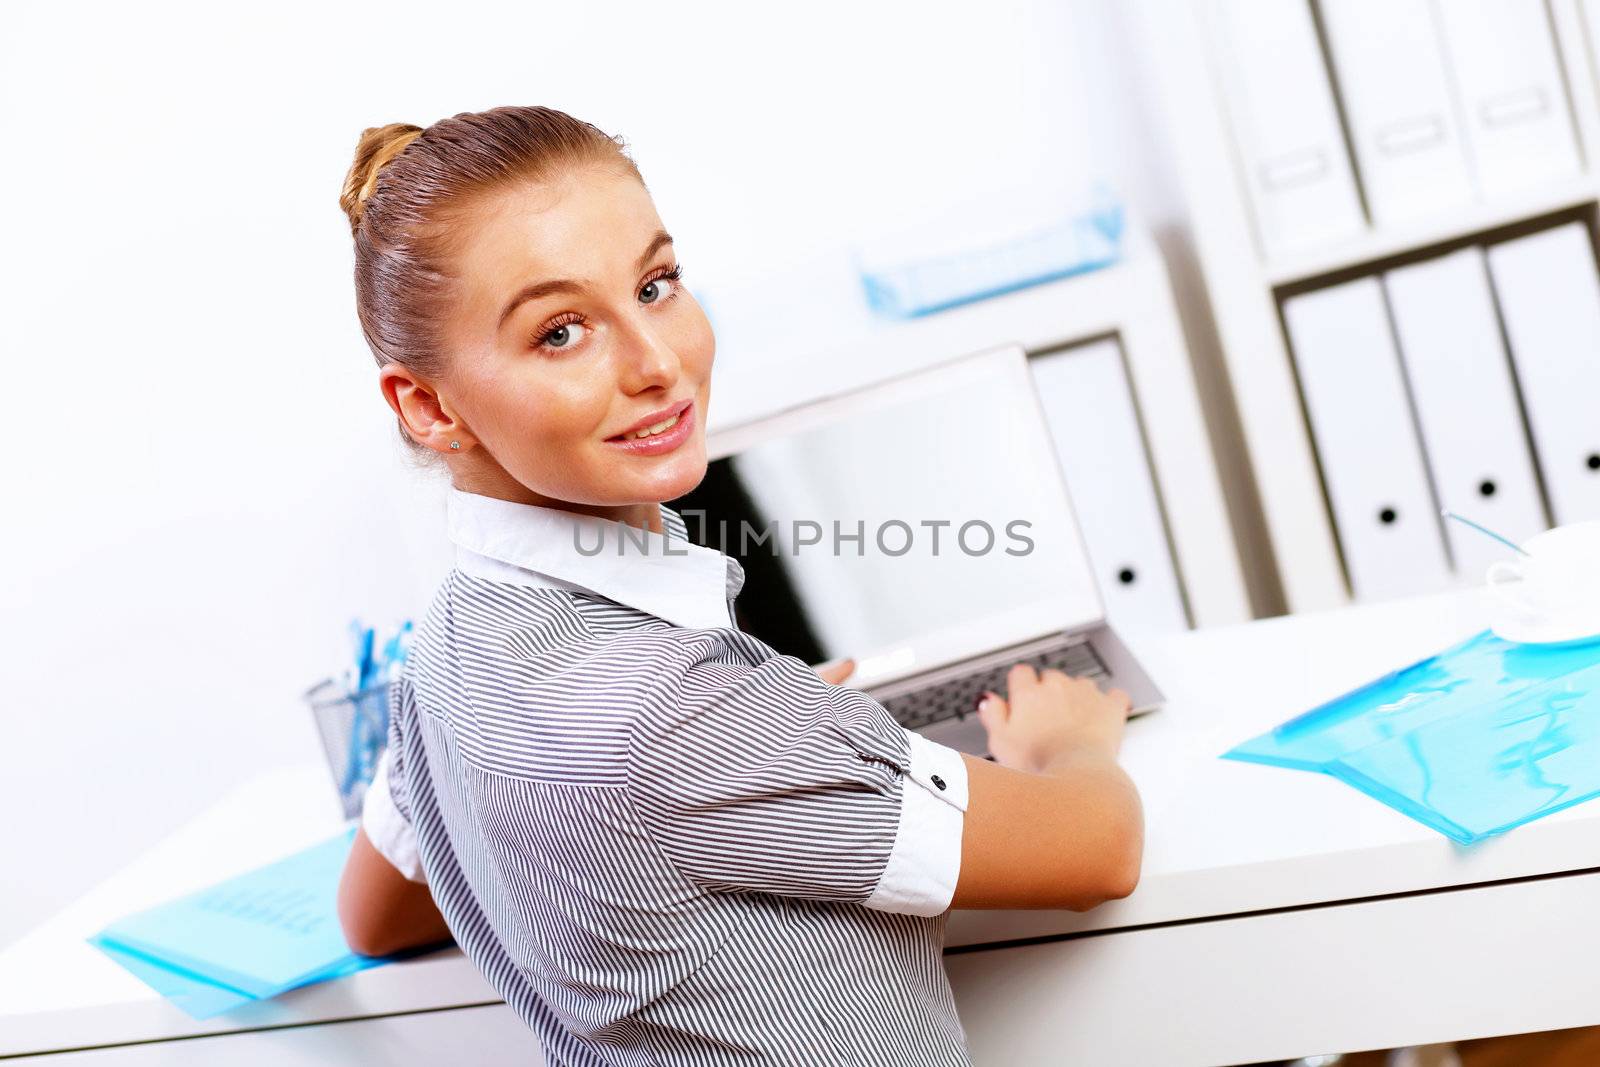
{"type": "Point", "coordinates": [205, 484]}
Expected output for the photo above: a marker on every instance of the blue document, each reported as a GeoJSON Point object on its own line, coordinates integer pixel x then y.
{"type": "Point", "coordinates": [251, 937]}
{"type": "Point", "coordinates": [1478, 739]}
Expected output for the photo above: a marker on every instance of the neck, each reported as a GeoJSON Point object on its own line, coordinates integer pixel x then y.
{"type": "Point", "coordinates": [645, 516]}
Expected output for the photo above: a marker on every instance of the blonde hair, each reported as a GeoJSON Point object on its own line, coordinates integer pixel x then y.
{"type": "Point", "coordinates": [403, 188]}
{"type": "Point", "coordinates": [378, 145]}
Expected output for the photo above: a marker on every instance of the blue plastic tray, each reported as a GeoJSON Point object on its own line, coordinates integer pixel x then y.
{"type": "Point", "coordinates": [1478, 739]}
{"type": "Point", "coordinates": [908, 289]}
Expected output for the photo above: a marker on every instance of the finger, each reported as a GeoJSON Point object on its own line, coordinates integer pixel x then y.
{"type": "Point", "coordinates": [1123, 700]}
{"type": "Point", "coordinates": [1021, 674]}
{"type": "Point", "coordinates": [836, 670]}
{"type": "Point", "coordinates": [993, 711]}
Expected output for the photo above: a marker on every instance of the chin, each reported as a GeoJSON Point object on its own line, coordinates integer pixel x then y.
{"type": "Point", "coordinates": [678, 478]}
{"type": "Point", "coordinates": [669, 479]}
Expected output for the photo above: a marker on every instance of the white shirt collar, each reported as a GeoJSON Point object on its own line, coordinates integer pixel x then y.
{"type": "Point", "coordinates": [664, 575]}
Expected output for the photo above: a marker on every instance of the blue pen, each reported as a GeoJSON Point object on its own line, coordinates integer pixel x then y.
{"type": "Point", "coordinates": [363, 636]}
{"type": "Point", "coordinates": [394, 653]}
{"type": "Point", "coordinates": [369, 720]}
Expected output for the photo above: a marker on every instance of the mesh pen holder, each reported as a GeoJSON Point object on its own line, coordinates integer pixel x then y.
{"type": "Point", "coordinates": [354, 727]}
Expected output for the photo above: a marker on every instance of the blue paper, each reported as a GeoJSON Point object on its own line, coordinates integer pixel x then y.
{"type": "Point", "coordinates": [248, 938]}
{"type": "Point", "coordinates": [1474, 741]}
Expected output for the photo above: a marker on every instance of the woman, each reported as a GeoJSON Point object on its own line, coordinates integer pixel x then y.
{"type": "Point", "coordinates": [659, 839]}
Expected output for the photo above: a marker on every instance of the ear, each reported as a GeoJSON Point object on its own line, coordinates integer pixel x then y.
{"type": "Point", "coordinates": [416, 402]}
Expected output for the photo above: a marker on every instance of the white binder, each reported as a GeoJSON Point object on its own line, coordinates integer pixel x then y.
{"type": "Point", "coordinates": [1550, 301]}
{"type": "Point", "coordinates": [1280, 108]}
{"type": "Point", "coordinates": [1085, 395]}
{"type": "Point", "coordinates": [1513, 100]}
{"type": "Point", "coordinates": [1366, 441]}
{"type": "Point", "coordinates": [1466, 404]}
{"type": "Point", "coordinates": [1396, 92]}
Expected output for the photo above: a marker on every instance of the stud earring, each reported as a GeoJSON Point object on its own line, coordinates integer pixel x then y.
{"type": "Point", "coordinates": [455, 444]}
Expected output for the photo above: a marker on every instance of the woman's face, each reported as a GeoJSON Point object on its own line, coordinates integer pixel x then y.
{"type": "Point", "coordinates": [573, 335]}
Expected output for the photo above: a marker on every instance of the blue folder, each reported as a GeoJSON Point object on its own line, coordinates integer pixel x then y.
{"type": "Point", "coordinates": [1474, 741]}
{"type": "Point", "coordinates": [265, 932]}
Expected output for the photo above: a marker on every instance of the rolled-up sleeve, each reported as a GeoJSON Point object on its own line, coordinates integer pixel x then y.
{"type": "Point", "coordinates": [766, 778]}
{"type": "Point", "coordinates": [385, 810]}
{"type": "Point", "coordinates": [920, 877]}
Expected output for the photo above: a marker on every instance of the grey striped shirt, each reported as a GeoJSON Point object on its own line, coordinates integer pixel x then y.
{"type": "Point", "coordinates": [659, 839]}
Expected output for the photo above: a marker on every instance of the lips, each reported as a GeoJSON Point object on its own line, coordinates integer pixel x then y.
{"type": "Point", "coordinates": [655, 418]}
{"type": "Point", "coordinates": [682, 428]}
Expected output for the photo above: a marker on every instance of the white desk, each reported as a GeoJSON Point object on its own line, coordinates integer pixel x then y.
{"type": "Point", "coordinates": [1280, 913]}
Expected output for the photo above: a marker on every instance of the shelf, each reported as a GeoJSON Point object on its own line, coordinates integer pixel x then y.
{"type": "Point", "coordinates": [766, 337]}
{"type": "Point", "coordinates": [777, 353]}
{"type": "Point", "coordinates": [1244, 286]}
{"type": "Point", "coordinates": [1378, 245]}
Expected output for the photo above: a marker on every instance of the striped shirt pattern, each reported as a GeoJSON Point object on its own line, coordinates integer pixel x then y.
{"type": "Point", "coordinates": [667, 844]}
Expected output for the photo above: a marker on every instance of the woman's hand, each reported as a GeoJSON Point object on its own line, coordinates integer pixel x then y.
{"type": "Point", "coordinates": [1053, 822]}
{"type": "Point", "coordinates": [1047, 715]}
{"type": "Point", "coordinates": [835, 671]}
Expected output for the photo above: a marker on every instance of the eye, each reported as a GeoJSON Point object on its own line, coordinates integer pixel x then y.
{"type": "Point", "coordinates": [564, 336]}
{"type": "Point", "coordinates": [656, 290]}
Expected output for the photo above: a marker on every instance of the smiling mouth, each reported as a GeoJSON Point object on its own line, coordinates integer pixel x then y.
{"type": "Point", "coordinates": [655, 429]}
{"type": "Point", "coordinates": [660, 438]}
{"type": "Point", "coordinates": [649, 431]}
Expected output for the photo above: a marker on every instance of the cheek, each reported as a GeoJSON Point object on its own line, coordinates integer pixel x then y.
{"type": "Point", "coordinates": [697, 346]}
{"type": "Point", "coordinates": [533, 405]}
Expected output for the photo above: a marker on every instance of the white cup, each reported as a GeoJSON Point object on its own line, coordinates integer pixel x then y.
{"type": "Point", "coordinates": [1558, 581]}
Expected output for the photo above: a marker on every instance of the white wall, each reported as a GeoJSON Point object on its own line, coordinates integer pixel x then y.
{"type": "Point", "coordinates": [202, 484]}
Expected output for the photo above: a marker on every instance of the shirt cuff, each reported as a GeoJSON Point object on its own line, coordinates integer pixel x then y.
{"type": "Point", "coordinates": [387, 829]}
{"type": "Point", "coordinates": [920, 878]}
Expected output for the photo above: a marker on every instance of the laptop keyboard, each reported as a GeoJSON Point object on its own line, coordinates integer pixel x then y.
{"type": "Point", "coordinates": [958, 698]}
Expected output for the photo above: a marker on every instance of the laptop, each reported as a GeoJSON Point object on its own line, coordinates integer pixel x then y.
{"type": "Point", "coordinates": [921, 526]}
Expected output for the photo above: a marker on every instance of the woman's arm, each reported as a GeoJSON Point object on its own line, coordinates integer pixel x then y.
{"type": "Point", "coordinates": [381, 910]}
{"type": "Point", "coordinates": [1055, 823]}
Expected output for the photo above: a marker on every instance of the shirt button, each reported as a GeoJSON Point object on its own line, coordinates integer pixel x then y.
{"type": "Point", "coordinates": [938, 783]}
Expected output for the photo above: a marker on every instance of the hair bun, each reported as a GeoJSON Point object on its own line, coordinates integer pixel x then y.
{"type": "Point", "coordinates": [378, 145]}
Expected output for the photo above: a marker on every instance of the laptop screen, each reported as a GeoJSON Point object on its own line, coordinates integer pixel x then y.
{"type": "Point", "coordinates": [912, 521]}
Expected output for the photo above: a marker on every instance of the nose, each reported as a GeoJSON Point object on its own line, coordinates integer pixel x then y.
{"type": "Point", "coordinates": [645, 360]}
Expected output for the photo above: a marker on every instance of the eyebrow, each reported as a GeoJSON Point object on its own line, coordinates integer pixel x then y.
{"type": "Point", "coordinates": [563, 285]}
